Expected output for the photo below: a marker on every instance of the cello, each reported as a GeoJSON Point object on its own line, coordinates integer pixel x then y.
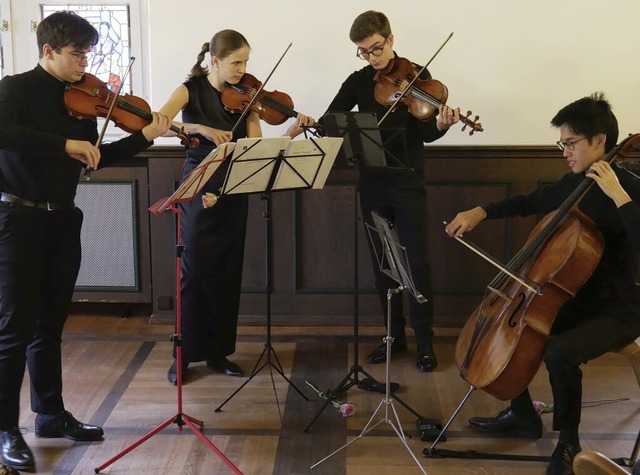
{"type": "Point", "coordinates": [501, 346]}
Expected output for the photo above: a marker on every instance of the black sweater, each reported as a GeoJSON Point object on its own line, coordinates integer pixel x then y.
{"type": "Point", "coordinates": [34, 126]}
{"type": "Point", "coordinates": [358, 90]}
{"type": "Point", "coordinates": [615, 275]}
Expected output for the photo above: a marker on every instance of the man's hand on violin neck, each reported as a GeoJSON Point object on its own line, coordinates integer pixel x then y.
{"type": "Point", "coordinates": [84, 152]}
{"type": "Point", "coordinates": [158, 126]}
{"type": "Point", "coordinates": [447, 117]}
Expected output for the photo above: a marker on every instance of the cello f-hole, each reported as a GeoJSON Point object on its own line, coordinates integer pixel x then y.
{"type": "Point", "coordinates": [510, 322]}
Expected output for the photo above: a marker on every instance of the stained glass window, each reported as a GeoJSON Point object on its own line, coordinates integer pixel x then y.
{"type": "Point", "coordinates": [109, 59]}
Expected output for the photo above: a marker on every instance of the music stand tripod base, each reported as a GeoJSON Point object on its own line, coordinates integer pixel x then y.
{"type": "Point", "coordinates": [189, 188]}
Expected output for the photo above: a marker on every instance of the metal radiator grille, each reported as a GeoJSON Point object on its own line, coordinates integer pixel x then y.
{"type": "Point", "coordinates": [109, 257]}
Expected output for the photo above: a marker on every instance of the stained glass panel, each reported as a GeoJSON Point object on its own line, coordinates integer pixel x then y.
{"type": "Point", "coordinates": [110, 57]}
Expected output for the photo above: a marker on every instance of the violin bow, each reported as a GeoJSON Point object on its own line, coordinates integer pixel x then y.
{"type": "Point", "coordinates": [255, 96]}
{"type": "Point", "coordinates": [408, 88]}
{"type": "Point", "coordinates": [87, 170]}
{"type": "Point", "coordinates": [493, 261]}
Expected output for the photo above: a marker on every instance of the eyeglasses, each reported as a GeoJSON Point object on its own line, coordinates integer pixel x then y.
{"type": "Point", "coordinates": [78, 57]}
{"type": "Point", "coordinates": [375, 51]}
{"type": "Point", "coordinates": [571, 144]}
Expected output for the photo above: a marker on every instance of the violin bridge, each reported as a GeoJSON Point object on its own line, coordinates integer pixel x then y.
{"type": "Point", "coordinates": [500, 294]}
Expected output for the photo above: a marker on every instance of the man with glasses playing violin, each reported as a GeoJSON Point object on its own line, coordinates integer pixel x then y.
{"type": "Point", "coordinates": [42, 152]}
{"type": "Point", "coordinates": [604, 315]}
{"type": "Point", "coordinates": [397, 191]}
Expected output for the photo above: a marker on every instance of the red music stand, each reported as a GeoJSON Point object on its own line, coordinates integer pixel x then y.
{"type": "Point", "coordinates": [189, 188]}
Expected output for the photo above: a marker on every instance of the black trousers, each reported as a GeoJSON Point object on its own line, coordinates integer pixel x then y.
{"type": "Point", "coordinates": [211, 280]}
{"type": "Point", "coordinates": [39, 264]}
{"type": "Point", "coordinates": [399, 196]}
{"type": "Point", "coordinates": [578, 336]}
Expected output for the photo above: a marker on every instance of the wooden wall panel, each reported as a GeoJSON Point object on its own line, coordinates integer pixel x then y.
{"type": "Point", "coordinates": [311, 241]}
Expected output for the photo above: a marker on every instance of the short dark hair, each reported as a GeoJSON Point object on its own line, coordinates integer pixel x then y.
{"type": "Point", "coordinates": [66, 28]}
{"type": "Point", "coordinates": [590, 116]}
{"type": "Point", "coordinates": [368, 24]}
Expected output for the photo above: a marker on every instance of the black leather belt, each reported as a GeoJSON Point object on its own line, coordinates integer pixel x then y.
{"type": "Point", "coordinates": [45, 205]}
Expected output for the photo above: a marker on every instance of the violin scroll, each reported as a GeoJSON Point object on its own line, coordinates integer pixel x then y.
{"type": "Point", "coordinates": [473, 124]}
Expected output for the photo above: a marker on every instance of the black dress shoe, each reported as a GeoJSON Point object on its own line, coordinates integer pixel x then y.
{"type": "Point", "coordinates": [426, 361]}
{"type": "Point", "coordinates": [507, 422]}
{"type": "Point", "coordinates": [172, 374]}
{"type": "Point", "coordinates": [15, 451]}
{"type": "Point", "coordinates": [67, 426]}
{"type": "Point", "coordinates": [223, 365]}
{"type": "Point", "coordinates": [562, 459]}
{"type": "Point", "coordinates": [379, 355]}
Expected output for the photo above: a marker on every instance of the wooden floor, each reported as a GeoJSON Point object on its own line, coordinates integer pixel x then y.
{"type": "Point", "coordinates": [115, 375]}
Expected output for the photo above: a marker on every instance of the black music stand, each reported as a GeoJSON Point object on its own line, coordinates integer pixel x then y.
{"type": "Point", "coordinates": [264, 165]}
{"type": "Point", "coordinates": [189, 188]}
{"type": "Point", "coordinates": [394, 263]}
{"type": "Point", "coordinates": [362, 148]}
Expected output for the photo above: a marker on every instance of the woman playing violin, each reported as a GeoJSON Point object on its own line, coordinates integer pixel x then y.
{"type": "Point", "coordinates": [605, 313]}
{"type": "Point", "coordinates": [42, 151]}
{"type": "Point", "coordinates": [395, 192]}
{"type": "Point", "coordinates": [214, 236]}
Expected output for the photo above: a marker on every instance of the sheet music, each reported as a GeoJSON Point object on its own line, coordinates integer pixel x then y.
{"type": "Point", "coordinates": [307, 163]}
{"type": "Point", "coordinates": [252, 164]}
{"type": "Point", "coordinates": [194, 182]}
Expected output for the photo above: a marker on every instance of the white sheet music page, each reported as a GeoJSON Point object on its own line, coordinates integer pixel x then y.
{"type": "Point", "coordinates": [307, 163]}
{"type": "Point", "coordinates": [252, 164]}
{"type": "Point", "coordinates": [194, 182]}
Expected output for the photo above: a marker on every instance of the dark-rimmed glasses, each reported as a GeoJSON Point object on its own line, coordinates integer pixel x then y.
{"type": "Point", "coordinates": [375, 51]}
{"type": "Point", "coordinates": [570, 144]}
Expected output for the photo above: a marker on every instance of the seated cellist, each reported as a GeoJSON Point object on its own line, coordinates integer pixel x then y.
{"type": "Point", "coordinates": [605, 313]}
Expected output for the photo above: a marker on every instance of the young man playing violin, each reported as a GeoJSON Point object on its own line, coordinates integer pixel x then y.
{"type": "Point", "coordinates": [605, 313]}
{"type": "Point", "coordinates": [395, 192]}
{"type": "Point", "coordinates": [214, 236]}
{"type": "Point", "coordinates": [42, 151]}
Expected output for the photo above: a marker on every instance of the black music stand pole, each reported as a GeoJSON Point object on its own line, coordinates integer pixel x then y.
{"type": "Point", "coordinates": [262, 166]}
{"type": "Point", "coordinates": [268, 352]}
{"type": "Point", "coordinates": [186, 192]}
{"type": "Point", "coordinates": [362, 147]}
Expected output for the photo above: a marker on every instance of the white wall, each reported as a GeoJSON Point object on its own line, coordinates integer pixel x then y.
{"type": "Point", "coordinates": [513, 62]}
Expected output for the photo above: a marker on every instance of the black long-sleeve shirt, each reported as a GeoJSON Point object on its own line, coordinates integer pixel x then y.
{"type": "Point", "coordinates": [358, 90]}
{"type": "Point", "coordinates": [34, 126]}
{"type": "Point", "coordinates": [615, 276]}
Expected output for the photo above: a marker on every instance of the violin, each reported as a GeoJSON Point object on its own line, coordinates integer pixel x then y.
{"type": "Point", "coordinates": [274, 107]}
{"type": "Point", "coordinates": [424, 97]}
{"type": "Point", "coordinates": [90, 98]}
